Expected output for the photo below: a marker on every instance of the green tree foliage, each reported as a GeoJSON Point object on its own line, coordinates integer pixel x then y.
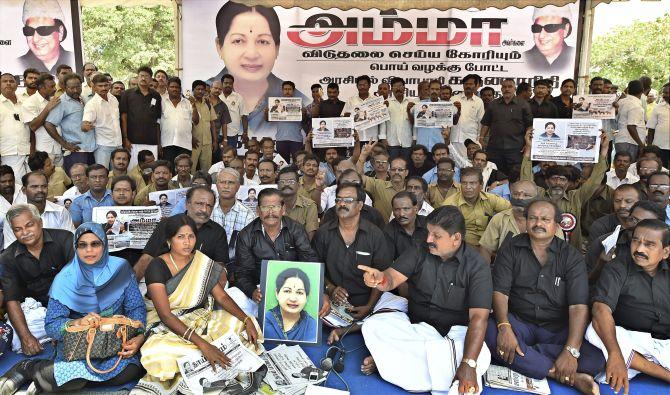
{"type": "Point", "coordinates": [120, 39]}
{"type": "Point", "coordinates": [628, 52]}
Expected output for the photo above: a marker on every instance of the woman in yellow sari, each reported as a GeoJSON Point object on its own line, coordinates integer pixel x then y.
{"type": "Point", "coordinates": [181, 289]}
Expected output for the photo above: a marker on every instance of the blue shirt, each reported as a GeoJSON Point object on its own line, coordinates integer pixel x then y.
{"type": "Point", "coordinates": [68, 115]}
{"type": "Point", "coordinates": [429, 136]}
{"type": "Point", "coordinates": [82, 207]}
{"type": "Point", "coordinates": [667, 214]}
{"type": "Point", "coordinates": [502, 191]}
{"type": "Point", "coordinates": [330, 176]}
{"type": "Point", "coordinates": [431, 175]}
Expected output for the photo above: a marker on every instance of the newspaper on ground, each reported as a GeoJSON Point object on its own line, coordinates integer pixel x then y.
{"type": "Point", "coordinates": [166, 200]}
{"type": "Point", "coordinates": [593, 106]}
{"type": "Point", "coordinates": [290, 370]}
{"type": "Point", "coordinates": [201, 378]}
{"type": "Point", "coordinates": [371, 112]}
{"type": "Point", "coordinates": [566, 140]}
{"type": "Point", "coordinates": [505, 378]}
{"type": "Point", "coordinates": [284, 109]}
{"type": "Point", "coordinates": [248, 195]}
{"type": "Point", "coordinates": [332, 132]}
{"type": "Point", "coordinates": [439, 114]}
{"type": "Point", "coordinates": [127, 226]}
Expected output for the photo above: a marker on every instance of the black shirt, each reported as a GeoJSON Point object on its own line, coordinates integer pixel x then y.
{"type": "Point", "coordinates": [369, 248]}
{"type": "Point", "coordinates": [157, 272]}
{"type": "Point", "coordinates": [603, 225]}
{"type": "Point", "coordinates": [419, 171]}
{"type": "Point", "coordinates": [563, 110]}
{"type": "Point", "coordinates": [401, 241]}
{"type": "Point", "coordinates": [210, 240]}
{"type": "Point", "coordinates": [142, 113]}
{"type": "Point", "coordinates": [254, 246]}
{"type": "Point", "coordinates": [546, 109]}
{"type": "Point", "coordinates": [222, 116]}
{"type": "Point", "coordinates": [368, 213]}
{"type": "Point", "coordinates": [639, 302]}
{"type": "Point", "coordinates": [442, 292]}
{"type": "Point", "coordinates": [25, 276]}
{"type": "Point", "coordinates": [540, 294]}
{"type": "Point", "coordinates": [595, 248]}
{"type": "Point", "coordinates": [507, 123]}
{"type": "Point", "coordinates": [330, 109]}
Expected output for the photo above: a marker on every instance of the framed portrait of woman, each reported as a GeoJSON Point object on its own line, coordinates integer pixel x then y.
{"type": "Point", "coordinates": [292, 294]}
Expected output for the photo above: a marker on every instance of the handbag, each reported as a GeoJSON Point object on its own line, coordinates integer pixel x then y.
{"type": "Point", "coordinates": [99, 341]}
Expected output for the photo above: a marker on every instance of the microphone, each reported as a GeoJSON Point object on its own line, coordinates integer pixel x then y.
{"type": "Point", "coordinates": [327, 362]}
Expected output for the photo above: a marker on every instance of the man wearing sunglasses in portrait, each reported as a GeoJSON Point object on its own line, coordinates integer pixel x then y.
{"type": "Point", "coordinates": [551, 26]}
{"type": "Point", "coordinates": [44, 30]}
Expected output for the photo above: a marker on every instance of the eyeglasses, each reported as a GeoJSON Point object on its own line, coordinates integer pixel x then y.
{"type": "Point", "coordinates": [549, 28]}
{"type": "Point", "coordinates": [267, 209]}
{"type": "Point", "coordinates": [381, 162]}
{"type": "Point", "coordinates": [659, 186]}
{"type": "Point", "coordinates": [94, 245]}
{"type": "Point", "coordinates": [397, 169]}
{"type": "Point", "coordinates": [286, 182]}
{"type": "Point", "coordinates": [41, 30]}
{"type": "Point", "coordinates": [345, 200]}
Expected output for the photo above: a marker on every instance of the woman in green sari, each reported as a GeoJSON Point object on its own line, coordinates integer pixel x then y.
{"type": "Point", "coordinates": [181, 289]}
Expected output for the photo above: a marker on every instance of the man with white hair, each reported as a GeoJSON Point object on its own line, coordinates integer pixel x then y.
{"type": "Point", "coordinates": [44, 28]}
{"type": "Point", "coordinates": [551, 26]}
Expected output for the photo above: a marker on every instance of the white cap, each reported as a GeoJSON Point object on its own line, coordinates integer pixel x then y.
{"type": "Point", "coordinates": [653, 93]}
{"type": "Point", "coordinates": [42, 8]}
{"type": "Point", "coordinates": [552, 10]}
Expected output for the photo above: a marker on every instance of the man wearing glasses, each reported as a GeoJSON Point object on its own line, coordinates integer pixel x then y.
{"type": "Point", "coordinates": [44, 30]}
{"type": "Point", "coordinates": [551, 26]}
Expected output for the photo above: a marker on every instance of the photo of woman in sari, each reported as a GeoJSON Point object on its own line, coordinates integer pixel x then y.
{"type": "Point", "coordinates": [93, 285]}
{"type": "Point", "coordinates": [182, 287]}
{"type": "Point", "coordinates": [288, 320]}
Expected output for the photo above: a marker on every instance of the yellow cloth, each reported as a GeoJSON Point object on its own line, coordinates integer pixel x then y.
{"type": "Point", "coordinates": [477, 216]}
{"type": "Point", "coordinates": [59, 182]}
{"type": "Point", "coordinates": [143, 193]}
{"type": "Point", "coordinates": [135, 174]}
{"type": "Point", "coordinates": [305, 213]}
{"type": "Point", "coordinates": [436, 197]}
{"type": "Point", "coordinates": [500, 225]}
{"type": "Point", "coordinates": [382, 193]}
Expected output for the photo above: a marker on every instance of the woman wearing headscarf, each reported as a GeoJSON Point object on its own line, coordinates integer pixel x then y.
{"type": "Point", "coordinates": [93, 285]}
{"type": "Point", "coordinates": [182, 287]}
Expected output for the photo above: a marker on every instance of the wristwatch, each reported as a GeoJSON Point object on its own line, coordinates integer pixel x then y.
{"type": "Point", "coordinates": [470, 362]}
{"type": "Point", "coordinates": [573, 351]}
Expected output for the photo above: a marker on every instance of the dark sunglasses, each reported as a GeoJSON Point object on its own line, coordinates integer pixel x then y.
{"type": "Point", "coordinates": [549, 28]}
{"type": "Point", "coordinates": [41, 30]}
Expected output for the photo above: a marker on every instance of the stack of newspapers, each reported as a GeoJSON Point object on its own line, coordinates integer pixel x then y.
{"type": "Point", "coordinates": [290, 371]}
{"type": "Point", "coordinates": [505, 378]}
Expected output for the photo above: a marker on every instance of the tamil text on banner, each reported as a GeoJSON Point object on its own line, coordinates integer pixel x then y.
{"type": "Point", "coordinates": [127, 227]}
{"type": "Point", "coordinates": [332, 132]}
{"type": "Point", "coordinates": [594, 106]}
{"type": "Point", "coordinates": [566, 140]}
{"type": "Point", "coordinates": [285, 109]}
{"type": "Point", "coordinates": [437, 114]}
{"type": "Point", "coordinates": [265, 48]}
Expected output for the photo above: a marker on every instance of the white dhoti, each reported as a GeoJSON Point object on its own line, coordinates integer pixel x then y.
{"type": "Point", "coordinates": [18, 163]}
{"type": "Point", "coordinates": [247, 305]}
{"type": "Point", "coordinates": [35, 315]}
{"type": "Point", "coordinates": [416, 357]}
{"type": "Point", "coordinates": [654, 350]}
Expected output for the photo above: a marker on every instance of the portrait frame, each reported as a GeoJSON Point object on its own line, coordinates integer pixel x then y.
{"type": "Point", "coordinates": [307, 331]}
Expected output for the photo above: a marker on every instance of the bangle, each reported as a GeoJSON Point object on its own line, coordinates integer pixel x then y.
{"type": "Point", "coordinates": [244, 322]}
{"type": "Point", "coordinates": [504, 323]}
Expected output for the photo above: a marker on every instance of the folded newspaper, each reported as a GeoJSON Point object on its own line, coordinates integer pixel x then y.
{"type": "Point", "coordinates": [290, 370]}
{"type": "Point", "coordinates": [505, 378]}
{"type": "Point", "coordinates": [202, 379]}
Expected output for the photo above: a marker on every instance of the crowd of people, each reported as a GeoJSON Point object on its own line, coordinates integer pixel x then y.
{"type": "Point", "coordinates": [448, 246]}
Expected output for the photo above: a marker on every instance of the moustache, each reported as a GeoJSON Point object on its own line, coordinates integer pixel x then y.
{"type": "Point", "coordinates": [640, 255]}
{"type": "Point", "coordinates": [27, 236]}
{"type": "Point", "coordinates": [343, 208]}
{"type": "Point", "coordinates": [538, 228]}
{"type": "Point", "coordinates": [432, 245]}
{"type": "Point", "coordinates": [403, 219]}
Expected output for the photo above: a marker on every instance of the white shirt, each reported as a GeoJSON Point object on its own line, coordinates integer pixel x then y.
{"type": "Point", "coordinates": [216, 168]}
{"type": "Point", "coordinates": [660, 122]}
{"type": "Point", "coordinates": [104, 114]}
{"type": "Point", "coordinates": [236, 109]}
{"type": "Point", "coordinates": [328, 198]}
{"type": "Point", "coordinates": [399, 128]}
{"type": "Point", "coordinates": [53, 217]}
{"type": "Point", "coordinates": [371, 133]}
{"type": "Point", "coordinates": [176, 124]}
{"type": "Point", "coordinates": [254, 181]}
{"type": "Point", "coordinates": [630, 113]}
{"type": "Point", "coordinates": [613, 181]}
{"type": "Point", "coordinates": [424, 210]}
{"type": "Point", "coordinates": [31, 109]}
{"type": "Point", "coordinates": [72, 193]}
{"type": "Point", "coordinates": [469, 122]}
{"type": "Point", "coordinates": [632, 171]}
{"type": "Point", "coordinates": [14, 134]}
{"type": "Point", "coordinates": [5, 205]}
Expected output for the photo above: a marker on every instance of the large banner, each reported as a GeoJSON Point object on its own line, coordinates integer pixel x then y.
{"type": "Point", "coordinates": [261, 49]}
{"type": "Point", "coordinates": [39, 34]}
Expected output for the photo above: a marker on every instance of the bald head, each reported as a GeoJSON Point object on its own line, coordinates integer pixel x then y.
{"type": "Point", "coordinates": [525, 187]}
{"type": "Point", "coordinates": [342, 166]}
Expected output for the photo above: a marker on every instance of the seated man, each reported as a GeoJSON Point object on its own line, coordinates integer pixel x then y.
{"type": "Point", "coordinates": [439, 344]}
{"type": "Point", "coordinates": [658, 187]}
{"type": "Point", "coordinates": [59, 182]}
{"type": "Point", "coordinates": [120, 158]}
{"type": "Point", "coordinates": [540, 305]}
{"type": "Point", "coordinates": [80, 181]}
{"type": "Point", "coordinates": [445, 185]}
{"type": "Point", "coordinates": [160, 181]}
{"type": "Point", "coordinates": [29, 266]}
{"type": "Point", "coordinates": [631, 306]}
{"type": "Point", "coordinates": [123, 190]}
{"type": "Point", "coordinates": [298, 207]}
{"type": "Point", "coordinates": [97, 195]}
{"type": "Point", "coordinates": [407, 229]}
{"type": "Point", "coordinates": [272, 235]}
{"type": "Point", "coordinates": [200, 177]}
{"type": "Point", "coordinates": [624, 197]}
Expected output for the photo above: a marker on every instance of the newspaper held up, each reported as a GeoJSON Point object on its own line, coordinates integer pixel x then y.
{"type": "Point", "coordinates": [332, 132]}
{"type": "Point", "coordinates": [370, 113]}
{"type": "Point", "coordinates": [439, 114]}
{"type": "Point", "coordinates": [566, 140]}
{"type": "Point", "coordinates": [167, 200]}
{"type": "Point", "coordinates": [201, 378]}
{"type": "Point", "coordinates": [505, 378]}
{"type": "Point", "coordinates": [594, 106]}
{"type": "Point", "coordinates": [284, 109]}
{"type": "Point", "coordinates": [127, 226]}
{"type": "Point", "coordinates": [248, 195]}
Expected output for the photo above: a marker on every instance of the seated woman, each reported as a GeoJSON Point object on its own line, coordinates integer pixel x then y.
{"type": "Point", "coordinates": [289, 320]}
{"type": "Point", "coordinates": [182, 287]}
{"type": "Point", "coordinates": [93, 285]}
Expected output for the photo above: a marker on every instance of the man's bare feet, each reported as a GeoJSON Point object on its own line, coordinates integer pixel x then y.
{"type": "Point", "coordinates": [368, 367]}
{"type": "Point", "coordinates": [586, 385]}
